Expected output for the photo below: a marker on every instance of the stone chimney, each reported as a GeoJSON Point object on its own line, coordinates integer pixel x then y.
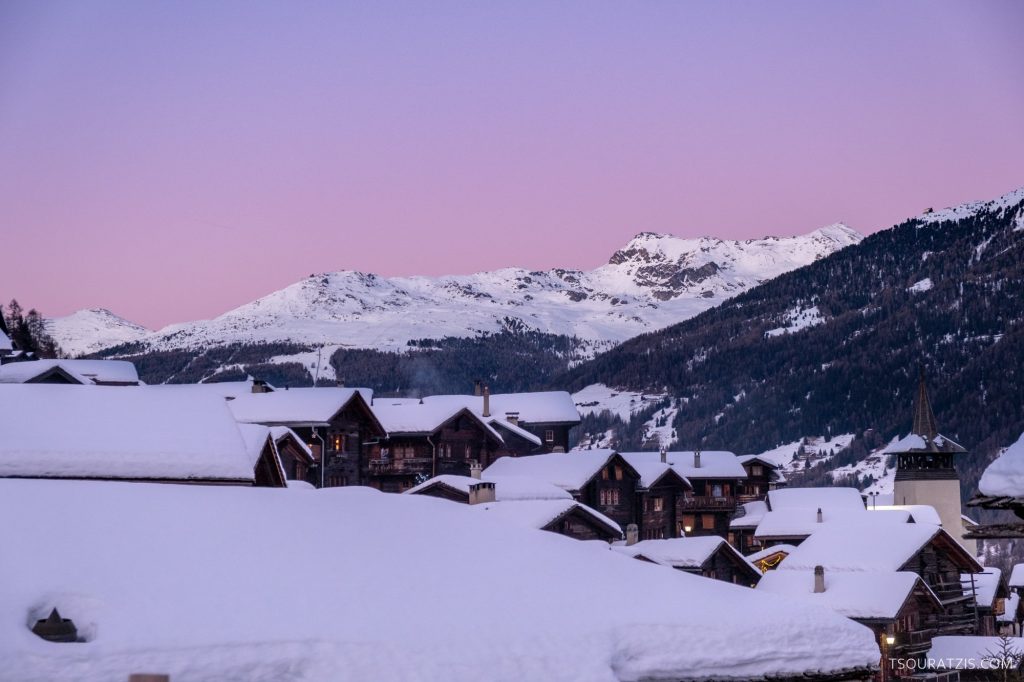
{"type": "Point", "coordinates": [481, 493]}
{"type": "Point", "coordinates": [487, 401]}
{"type": "Point", "coordinates": [664, 456]}
{"type": "Point", "coordinates": [512, 418]}
{"type": "Point", "coordinates": [475, 469]}
{"type": "Point", "coordinates": [696, 459]}
{"type": "Point", "coordinates": [260, 386]}
{"type": "Point", "coordinates": [632, 534]}
{"type": "Point", "coordinates": [819, 579]}
{"type": "Point", "coordinates": [478, 387]}
{"type": "Point", "coordinates": [821, 517]}
{"type": "Point", "coordinates": [340, 383]}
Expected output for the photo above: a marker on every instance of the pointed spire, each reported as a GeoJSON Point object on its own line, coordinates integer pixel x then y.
{"type": "Point", "coordinates": [924, 418]}
{"type": "Point", "coordinates": [54, 618]}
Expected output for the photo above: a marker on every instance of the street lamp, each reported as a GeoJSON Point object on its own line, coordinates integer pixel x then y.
{"type": "Point", "coordinates": [687, 529]}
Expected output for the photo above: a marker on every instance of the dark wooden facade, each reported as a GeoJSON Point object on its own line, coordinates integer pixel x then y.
{"type": "Point", "coordinates": [613, 491]}
{"type": "Point", "coordinates": [578, 524]}
{"type": "Point", "coordinates": [404, 460]}
{"type": "Point", "coordinates": [295, 461]}
{"type": "Point", "coordinates": [709, 508]}
{"type": "Point", "coordinates": [916, 622]}
{"type": "Point", "coordinates": [660, 507]}
{"type": "Point", "coordinates": [940, 564]}
{"type": "Point", "coordinates": [727, 565]}
{"type": "Point", "coordinates": [762, 477]}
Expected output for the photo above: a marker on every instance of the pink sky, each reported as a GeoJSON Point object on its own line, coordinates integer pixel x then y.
{"type": "Point", "coordinates": [170, 161]}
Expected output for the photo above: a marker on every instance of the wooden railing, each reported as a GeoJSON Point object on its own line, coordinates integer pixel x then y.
{"type": "Point", "coordinates": [400, 466]}
{"type": "Point", "coordinates": [709, 502]}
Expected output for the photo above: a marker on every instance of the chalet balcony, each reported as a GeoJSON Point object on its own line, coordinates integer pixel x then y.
{"type": "Point", "coordinates": [709, 503]}
{"type": "Point", "coordinates": [409, 465]}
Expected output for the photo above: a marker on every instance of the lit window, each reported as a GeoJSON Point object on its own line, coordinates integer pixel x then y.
{"type": "Point", "coordinates": [658, 504]}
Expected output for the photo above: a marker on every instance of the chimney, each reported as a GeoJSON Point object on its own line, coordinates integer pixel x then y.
{"type": "Point", "coordinates": [481, 493]}
{"type": "Point", "coordinates": [260, 386]}
{"type": "Point", "coordinates": [819, 579]}
{"type": "Point", "coordinates": [478, 388]}
{"type": "Point", "coordinates": [820, 515]}
{"type": "Point", "coordinates": [664, 456]}
{"type": "Point", "coordinates": [632, 534]}
{"type": "Point", "coordinates": [487, 401]}
{"type": "Point", "coordinates": [696, 459]}
{"type": "Point", "coordinates": [512, 418]}
{"type": "Point", "coordinates": [475, 470]}
{"type": "Point", "coordinates": [340, 383]}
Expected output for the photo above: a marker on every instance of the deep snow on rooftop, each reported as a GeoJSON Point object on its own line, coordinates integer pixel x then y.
{"type": "Point", "coordinates": [192, 581]}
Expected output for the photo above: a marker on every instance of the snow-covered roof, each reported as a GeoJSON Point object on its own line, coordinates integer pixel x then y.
{"type": "Point", "coordinates": [1016, 576]}
{"type": "Point", "coordinates": [913, 442]}
{"type": "Point", "coordinates": [552, 608]}
{"type": "Point", "coordinates": [538, 407]}
{"type": "Point", "coordinates": [88, 372]}
{"type": "Point", "coordinates": [410, 416]}
{"type": "Point", "coordinates": [919, 513]}
{"type": "Point", "coordinates": [568, 470]}
{"type": "Point", "coordinates": [799, 523]}
{"type": "Point", "coordinates": [65, 431]}
{"type": "Point", "coordinates": [864, 547]}
{"type": "Point", "coordinates": [968, 652]}
{"type": "Point", "coordinates": [768, 551]}
{"type": "Point", "coordinates": [506, 488]}
{"type": "Point", "coordinates": [225, 389]}
{"type": "Point", "coordinates": [1010, 605]}
{"type": "Point", "coordinates": [499, 423]}
{"type": "Point", "coordinates": [650, 467]}
{"type": "Point", "coordinates": [752, 513]}
{"type": "Point", "coordinates": [986, 585]}
{"type": "Point", "coordinates": [5, 341]}
{"type": "Point", "coordinates": [539, 513]}
{"type": "Point", "coordinates": [296, 406]}
{"type": "Point", "coordinates": [279, 433]}
{"type": "Point", "coordinates": [685, 553]}
{"type": "Point", "coordinates": [838, 499]}
{"type": "Point", "coordinates": [867, 595]}
{"type": "Point", "coordinates": [1005, 476]}
{"type": "Point", "coordinates": [713, 463]}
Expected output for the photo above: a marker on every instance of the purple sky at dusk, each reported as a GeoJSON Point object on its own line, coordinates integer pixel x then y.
{"type": "Point", "coordinates": [172, 160]}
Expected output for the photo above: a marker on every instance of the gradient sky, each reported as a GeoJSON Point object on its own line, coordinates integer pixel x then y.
{"type": "Point", "coordinates": [171, 160]}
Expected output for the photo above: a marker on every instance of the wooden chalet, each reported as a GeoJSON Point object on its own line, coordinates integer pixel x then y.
{"type": "Point", "coordinates": [898, 606]}
{"type": "Point", "coordinates": [295, 455]}
{"type": "Point", "coordinates": [336, 423]}
{"type": "Point", "coordinates": [130, 434]}
{"type": "Point", "coordinates": [714, 477]}
{"type": "Point", "coordinates": [763, 475]}
{"type": "Point", "coordinates": [1001, 487]}
{"type": "Point", "coordinates": [924, 549]}
{"type": "Point", "coordinates": [548, 415]}
{"type": "Point", "coordinates": [708, 556]}
{"type": "Point", "coordinates": [662, 494]}
{"type": "Point", "coordinates": [744, 524]}
{"type": "Point", "coordinates": [600, 479]}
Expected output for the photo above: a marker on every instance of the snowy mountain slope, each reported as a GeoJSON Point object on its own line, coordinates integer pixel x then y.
{"type": "Point", "coordinates": [92, 329]}
{"type": "Point", "coordinates": [654, 281]}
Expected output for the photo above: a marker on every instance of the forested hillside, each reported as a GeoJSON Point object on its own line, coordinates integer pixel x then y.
{"type": "Point", "coordinates": [835, 347]}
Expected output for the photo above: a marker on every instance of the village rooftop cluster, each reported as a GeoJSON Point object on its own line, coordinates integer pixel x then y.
{"type": "Point", "coordinates": [238, 531]}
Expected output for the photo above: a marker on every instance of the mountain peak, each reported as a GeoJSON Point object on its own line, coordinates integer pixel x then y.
{"type": "Point", "coordinates": [92, 329]}
{"type": "Point", "coordinates": [971, 208]}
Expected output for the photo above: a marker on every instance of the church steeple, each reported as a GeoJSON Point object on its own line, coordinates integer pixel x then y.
{"type": "Point", "coordinates": [924, 418]}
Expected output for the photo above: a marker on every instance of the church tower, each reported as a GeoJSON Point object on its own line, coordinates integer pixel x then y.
{"type": "Point", "coordinates": [926, 468]}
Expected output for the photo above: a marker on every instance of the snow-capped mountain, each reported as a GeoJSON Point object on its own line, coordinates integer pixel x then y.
{"type": "Point", "coordinates": [654, 281]}
{"type": "Point", "coordinates": [92, 329]}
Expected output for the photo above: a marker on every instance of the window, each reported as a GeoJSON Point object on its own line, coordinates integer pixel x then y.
{"type": "Point", "coordinates": [337, 442]}
{"type": "Point", "coordinates": [618, 473]}
{"type": "Point", "coordinates": [549, 436]}
{"type": "Point", "coordinates": [689, 521]}
{"type": "Point", "coordinates": [716, 490]}
{"type": "Point", "coordinates": [604, 474]}
{"type": "Point", "coordinates": [659, 504]}
{"type": "Point", "coordinates": [707, 521]}
{"type": "Point", "coordinates": [609, 498]}
{"type": "Point", "coordinates": [756, 470]}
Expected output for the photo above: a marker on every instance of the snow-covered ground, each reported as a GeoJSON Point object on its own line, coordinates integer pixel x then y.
{"type": "Point", "coordinates": [875, 465]}
{"type": "Point", "coordinates": [598, 398]}
{"type": "Point", "coordinates": [797, 320]}
{"type": "Point", "coordinates": [794, 456]}
{"type": "Point", "coordinates": [921, 286]}
{"type": "Point", "coordinates": [238, 584]}
{"type": "Point", "coordinates": [653, 281]}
